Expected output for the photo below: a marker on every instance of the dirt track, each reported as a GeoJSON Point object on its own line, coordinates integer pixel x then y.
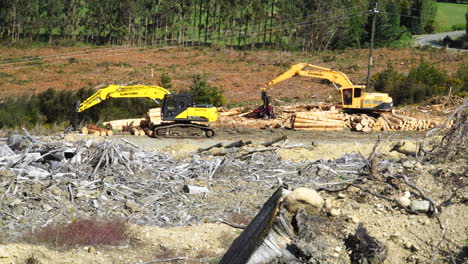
{"type": "Point", "coordinates": [229, 135]}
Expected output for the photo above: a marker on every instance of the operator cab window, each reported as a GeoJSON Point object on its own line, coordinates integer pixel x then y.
{"type": "Point", "coordinates": [181, 105]}
{"type": "Point", "coordinates": [348, 96]}
{"type": "Point", "coordinates": [357, 92]}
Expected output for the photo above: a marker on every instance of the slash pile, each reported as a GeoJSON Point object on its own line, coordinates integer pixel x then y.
{"type": "Point", "coordinates": [43, 182]}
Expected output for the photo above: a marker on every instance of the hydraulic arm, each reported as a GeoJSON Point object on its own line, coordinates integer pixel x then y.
{"type": "Point", "coordinates": [353, 97]}
{"type": "Point", "coordinates": [117, 91]}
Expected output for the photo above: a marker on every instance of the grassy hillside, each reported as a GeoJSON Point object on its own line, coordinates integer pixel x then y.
{"type": "Point", "coordinates": [449, 15]}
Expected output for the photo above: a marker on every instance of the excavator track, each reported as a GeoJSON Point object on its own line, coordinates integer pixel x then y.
{"type": "Point", "coordinates": [180, 130]}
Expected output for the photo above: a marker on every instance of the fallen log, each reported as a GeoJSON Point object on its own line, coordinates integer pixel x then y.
{"type": "Point", "coordinates": [276, 140]}
{"type": "Point", "coordinates": [238, 144]}
{"type": "Point", "coordinates": [191, 189]}
{"type": "Point", "coordinates": [320, 128]}
{"type": "Point", "coordinates": [218, 145]}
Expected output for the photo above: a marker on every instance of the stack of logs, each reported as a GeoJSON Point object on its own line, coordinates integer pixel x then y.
{"type": "Point", "coordinates": [386, 122]}
{"type": "Point", "coordinates": [92, 129]}
{"type": "Point", "coordinates": [154, 116]}
{"type": "Point", "coordinates": [124, 124]}
{"type": "Point", "coordinates": [139, 126]}
{"type": "Point", "coordinates": [318, 120]}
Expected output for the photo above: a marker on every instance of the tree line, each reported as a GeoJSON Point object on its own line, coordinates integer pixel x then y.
{"type": "Point", "coordinates": [310, 25]}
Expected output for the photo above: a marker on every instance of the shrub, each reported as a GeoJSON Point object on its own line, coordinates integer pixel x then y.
{"type": "Point", "coordinates": [423, 81]}
{"type": "Point", "coordinates": [457, 27]}
{"type": "Point", "coordinates": [462, 75]}
{"type": "Point", "coordinates": [165, 81]}
{"type": "Point", "coordinates": [57, 107]}
{"type": "Point", "coordinates": [388, 80]}
{"type": "Point", "coordinates": [82, 232]}
{"type": "Point", "coordinates": [205, 93]}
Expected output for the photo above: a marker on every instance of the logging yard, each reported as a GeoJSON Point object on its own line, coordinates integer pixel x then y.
{"type": "Point", "coordinates": [316, 184]}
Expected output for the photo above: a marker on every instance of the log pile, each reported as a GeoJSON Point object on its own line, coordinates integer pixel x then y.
{"type": "Point", "coordinates": [125, 124]}
{"type": "Point", "coordinates": [92, 129]}
{"type": "Point", "coordinates": [154, 116]}
{"type": "Point", "coordinates": [387, 122]}
{"type": "Point", "coordinates": [318, 120]}
{"type": "Point", "coordinates": [137, 126]}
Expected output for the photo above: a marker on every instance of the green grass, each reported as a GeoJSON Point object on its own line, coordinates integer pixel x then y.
{"type": "Point", "coordinates": [448, 15]}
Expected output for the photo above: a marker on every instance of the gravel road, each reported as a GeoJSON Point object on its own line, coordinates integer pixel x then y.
{"type": "Point", "coordinates": [434, 40]}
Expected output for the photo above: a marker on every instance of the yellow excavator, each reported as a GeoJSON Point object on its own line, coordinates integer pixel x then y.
{"type": "Point", "coordinates": [178, 109]}
{"type": "Point", "coordinates": [353, 97]}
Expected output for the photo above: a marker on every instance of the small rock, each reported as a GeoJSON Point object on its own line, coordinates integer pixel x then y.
{"type": "Point", "coordinates": [354, 219]}
{"type": "Point", "coordinates": [415, 248]}
{"type": "Point", "coordinates": [328, 204]}
{"type": "Point", "coordinates": [92, 250]}
{"type": "Point", "coordinates": [132, 206]}
{"type": "Point", "coordinates": [418, 165]}
{"type": "Point", "coordinates": [304, 198]}
{"type": "Point", "coordinates": [409, 164]}
{"type": "Point", "coordinates": [338, 249]}
{"type": "Point", "coordinates": [404, 200]}
{"type": "Point", "coordinates": [395, 237]}
{"type": "Point", "coordinates": [341, 196]}
{"type": "Point", "coordinates": [408, 245]}
{"type": "Point", "coordinates": [421, 206]}
{"type": "Point", "coordinates": [335, 212]}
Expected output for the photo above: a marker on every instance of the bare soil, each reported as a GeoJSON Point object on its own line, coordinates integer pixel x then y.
{"type": "Point", "coordinates": [240, 73]}
{"type": "Point", "coordinates": [408, 238]}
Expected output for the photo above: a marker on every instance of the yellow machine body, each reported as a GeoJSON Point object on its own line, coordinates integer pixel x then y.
{"type": "Point", "coordinates": [353, 97]}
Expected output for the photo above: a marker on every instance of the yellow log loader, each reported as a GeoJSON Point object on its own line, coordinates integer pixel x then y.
{"type": "Point", "coordinates": [178, 110]}
{"type": "Point", "coordinates": [353, 97]}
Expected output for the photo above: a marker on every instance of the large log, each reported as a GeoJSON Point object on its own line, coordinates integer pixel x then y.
{"type": "Point", "coordinates": [312, 119]}
{"type": "Point", "coordinates": [148, 132]}
{"type": "Point", "coordinates": [250, 239]}
{"type": "Point", "coordinates": [318, 123]}
{"type": "Point", "coordinates": [273, 141]}
{"type": "Point", "coordinates": [94, 132]}
{"type": "Point", "coordinates": [320, 129]}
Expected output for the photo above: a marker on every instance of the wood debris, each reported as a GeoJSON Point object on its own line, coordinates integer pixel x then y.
{"type": "Point", "coordinates": [92, 176]}
{"type": "Point", "coordinates": [92, 129]}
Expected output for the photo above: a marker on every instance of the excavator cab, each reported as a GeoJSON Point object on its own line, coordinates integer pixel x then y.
{"type": "Point", "coordinates": [352, 97]}
{"type": "Point", "coordinates": [174, 104]}
{"type": "Point", "coordinates": [181, 107]}
{"type": "Point", "coordinates": [355, 99]}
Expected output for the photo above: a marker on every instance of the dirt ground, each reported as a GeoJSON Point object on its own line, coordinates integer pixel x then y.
{"type": "Point", "coordinates": [240, 73]}
{"type": "Point", "coordinates": [408, 238]}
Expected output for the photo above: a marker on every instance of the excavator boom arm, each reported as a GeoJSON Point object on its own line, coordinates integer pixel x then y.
{"type": "Point", "coordinates": [116, 91]}
{"type": "Point", "coordinates": [336, 77]}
